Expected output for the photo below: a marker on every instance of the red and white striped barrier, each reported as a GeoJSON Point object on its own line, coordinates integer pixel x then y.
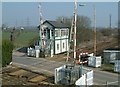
{"type": "Point", "coordinates": [86, 53]}
{"type": "Point", "coordinates": [82, 62]}
{"type": "Point", "coordinates": [81, 54]}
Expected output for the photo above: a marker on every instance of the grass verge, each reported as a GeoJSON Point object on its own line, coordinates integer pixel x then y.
{"type": "Point", "coordinates": [108, 67]}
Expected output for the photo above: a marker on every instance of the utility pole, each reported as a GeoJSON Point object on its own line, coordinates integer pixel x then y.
{"type": "Point", "coordinates": [75, 20]}
{"type": "Point", "coordinates": [94, 31]}
{"type": "Point", "coordinates": [110, 21]}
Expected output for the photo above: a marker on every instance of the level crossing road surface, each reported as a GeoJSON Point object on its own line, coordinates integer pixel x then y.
{"type": "Point", "coordinates": [42, 64]}
{"type": "Point", "coordinates": [102, 77]}
{"type": "Point", "coordinates": [47, 66]}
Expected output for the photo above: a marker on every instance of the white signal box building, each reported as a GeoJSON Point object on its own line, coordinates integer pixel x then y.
{"type": "Point", "coordinates": [56, 37]}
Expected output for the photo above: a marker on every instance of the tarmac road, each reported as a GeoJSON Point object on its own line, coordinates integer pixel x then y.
{"type": "Point", "coordinates": [101, 77]}
{"type": "Point", "coordinates": [40, 64]}
{"type": "Point", "coordinates": [43, 65]}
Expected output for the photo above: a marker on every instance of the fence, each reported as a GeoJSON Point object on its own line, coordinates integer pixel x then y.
{"type": "Point", "coordinates": [31, 52]}
{"type": "Point", "coordinates": [58, 74]}
{"type": "Point", "coordinates": [94, 61]}
{"type": "Point", "coordinates": [69, 75]}
{"type": "Point", "coordinates": [117, 66]}
{"type": "Point", "coordinates": [85, 79]}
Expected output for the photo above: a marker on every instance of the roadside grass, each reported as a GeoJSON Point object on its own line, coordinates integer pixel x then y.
{"type": "Point", "coordinates": [6, 35]}
{"type": "Point", "coordinates": [23, 39]}
{"type": "Point", "coordinates": [107, 67]}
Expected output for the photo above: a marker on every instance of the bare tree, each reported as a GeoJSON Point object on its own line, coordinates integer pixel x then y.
{"type": "Point", "coordinates": [84, 33]}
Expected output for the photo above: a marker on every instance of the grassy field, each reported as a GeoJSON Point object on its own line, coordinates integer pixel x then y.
{"type": "Point", "coordinates": [23, 38]}
{"type": "Point", "coordinates": [5, 35]}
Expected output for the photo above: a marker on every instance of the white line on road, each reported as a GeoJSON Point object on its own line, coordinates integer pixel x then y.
{"type": "Point", "coordinates": [110, 83]}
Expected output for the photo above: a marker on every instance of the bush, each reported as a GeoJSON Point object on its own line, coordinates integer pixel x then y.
{"type": "Point", "coordinates": [7, 47]}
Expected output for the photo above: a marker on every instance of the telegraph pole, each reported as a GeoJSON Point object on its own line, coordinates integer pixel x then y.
{"type": "Point", "coordinates": [110, 21]}
{"type": "Point", "coordinates": [94, 30]}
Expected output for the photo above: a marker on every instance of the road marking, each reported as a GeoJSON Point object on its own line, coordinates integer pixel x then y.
{"type": "Point", "coordinates": [110, 83]}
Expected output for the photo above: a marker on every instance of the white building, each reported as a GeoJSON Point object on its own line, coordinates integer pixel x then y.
{"type": "Point", "coordinates": [56, 37]}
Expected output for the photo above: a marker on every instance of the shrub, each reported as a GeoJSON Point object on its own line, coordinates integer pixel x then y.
{"type": "Point", "coordinates": [7, 47]}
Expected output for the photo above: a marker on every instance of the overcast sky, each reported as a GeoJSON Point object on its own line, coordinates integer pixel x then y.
{"type": "Point", "coordinates": [18, 13]}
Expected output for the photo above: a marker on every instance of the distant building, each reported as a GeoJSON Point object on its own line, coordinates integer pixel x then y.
{"type": "Point", "coordinates": [111, 55]}
{"type": "Point", "coordinates": [22, 28]}
{"type": "Point", "coordinates": [56, 36]}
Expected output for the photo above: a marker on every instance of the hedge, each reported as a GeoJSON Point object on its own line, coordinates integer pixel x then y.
{"type": "Point", "coordinates": [7, 47]}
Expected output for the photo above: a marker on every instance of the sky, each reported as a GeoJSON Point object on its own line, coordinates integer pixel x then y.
{"type": "Point", "coordinates": [18, 13]}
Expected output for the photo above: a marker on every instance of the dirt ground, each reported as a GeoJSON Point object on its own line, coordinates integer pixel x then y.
{"type": "Point", "coordinates": [16, 76]}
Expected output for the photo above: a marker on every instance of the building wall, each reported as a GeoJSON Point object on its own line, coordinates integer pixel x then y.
{"type": "Point", "coordinates": [51, 28]}
{"type": "Point", "coordinates": [61, 46]}
{"type": "Point", "coordinates": [110, 56]}
{"type": "Point", "coordinates": [66, 45]}
{"type": "Point", "coordinates": [57, 47]}
{"type": "Point", "coordinates": [49, 43]}
{"type": "Point", "coordinates": [61, 41]}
